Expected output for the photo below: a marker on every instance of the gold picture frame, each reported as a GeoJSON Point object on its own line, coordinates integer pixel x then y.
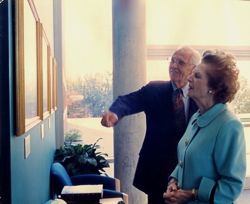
{"type": "Point", "coordinates": [45, 73]}
{"type": "Point", "coordinates": [50, 70]}
{"type": "Point", "coordinates": [28, 66]}
{"type": "Point", "coordinates": [54, 88]}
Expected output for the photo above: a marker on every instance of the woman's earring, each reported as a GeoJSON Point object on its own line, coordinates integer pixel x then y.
{"type": "Point", "coordinates": [210, 91]}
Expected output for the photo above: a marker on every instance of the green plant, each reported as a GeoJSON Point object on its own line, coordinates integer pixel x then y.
{"type": "Point", "coordinates": [81, 159]}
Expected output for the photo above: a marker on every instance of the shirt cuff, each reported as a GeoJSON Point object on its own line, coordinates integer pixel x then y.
{"type": "Point", "coordinates": [205, 189]}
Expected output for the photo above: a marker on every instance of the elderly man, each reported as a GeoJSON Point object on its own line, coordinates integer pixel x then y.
{"type": "Point", "coordinates": [165, 122]}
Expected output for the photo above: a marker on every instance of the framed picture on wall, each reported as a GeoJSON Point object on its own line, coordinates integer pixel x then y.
{"type": "Point", "coordinates": [28, 66]}
{"type": "Point", "coordinates": [51, 82]}
{"type": "Point", "coordinates": [45, 73]}
{"type": "Point", "coordinates": [54, 84]}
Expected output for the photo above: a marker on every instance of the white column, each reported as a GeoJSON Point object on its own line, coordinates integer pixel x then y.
{"type": "Point", "coordinates": [58, 51]}
{"type": "Point", "coordinates": [129, 74]}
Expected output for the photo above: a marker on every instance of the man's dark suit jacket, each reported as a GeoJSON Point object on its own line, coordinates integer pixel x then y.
{"type": "Point", "coordinates": [157, 157]}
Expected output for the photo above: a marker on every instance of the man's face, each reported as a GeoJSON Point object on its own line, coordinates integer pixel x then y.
{"type": "Point", "coordinates": [180, 68]}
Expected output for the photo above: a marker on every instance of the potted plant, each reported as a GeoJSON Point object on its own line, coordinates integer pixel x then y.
{"type": "Point", "coordinates": [81, 158]}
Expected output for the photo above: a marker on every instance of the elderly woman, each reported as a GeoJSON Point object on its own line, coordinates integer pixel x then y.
{"type": "Point", "coordinates": [211, 153]}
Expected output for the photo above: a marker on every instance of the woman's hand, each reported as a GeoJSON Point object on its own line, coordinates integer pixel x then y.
{"type": "Point", "coordinates": [169, 195]}
{"type": "Point", "coordinates": [178, 196]}
{"type": "Point", "coordinates": [183, 196]}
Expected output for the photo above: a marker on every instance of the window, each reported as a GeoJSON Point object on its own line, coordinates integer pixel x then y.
{"type": "Point", "coordinates": [87, 30]}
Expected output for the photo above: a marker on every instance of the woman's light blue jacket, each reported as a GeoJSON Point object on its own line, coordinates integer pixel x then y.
{"type": "Point", "coordinates": [212, 153]}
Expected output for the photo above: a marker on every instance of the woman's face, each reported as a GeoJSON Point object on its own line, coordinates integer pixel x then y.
{"type": "Point", "coordinates": [198, 83]}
